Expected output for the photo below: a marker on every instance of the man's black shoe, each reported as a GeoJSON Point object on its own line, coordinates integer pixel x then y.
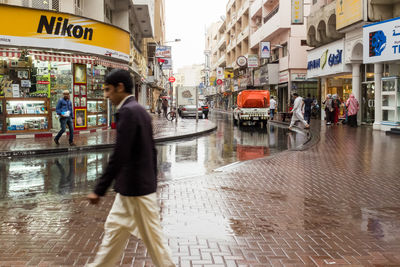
{"type": "Point", "coordinates": [56, 141]}
{"type": "Point", "coordinates": [72, 144]}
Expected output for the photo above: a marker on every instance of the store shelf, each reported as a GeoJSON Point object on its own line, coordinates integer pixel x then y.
{"type": "Point", "coordinates": [26, 99]}
{"type": "Point", "coordinates": [26, 115]}
{"type": "Point", "coordinates": [388, 108]}
{"type": "Point", "coordinates": [389, 93]}
{"type": "Point", "coordinates": [96, 113]}
{"type": "Point", "coordinates": [95, 99]}
{"type": "Point", "coordinates": [28, 131]}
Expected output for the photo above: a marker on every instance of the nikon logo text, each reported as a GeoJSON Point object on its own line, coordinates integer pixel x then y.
{"type": "Point", "coordinates": [63, 28]}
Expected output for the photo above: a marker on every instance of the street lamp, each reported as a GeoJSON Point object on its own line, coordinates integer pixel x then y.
{"type": "Point", "coordinates": [174, 41]}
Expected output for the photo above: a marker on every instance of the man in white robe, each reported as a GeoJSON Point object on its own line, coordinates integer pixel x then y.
{"type": "Point", "coordinates": [297, 112]}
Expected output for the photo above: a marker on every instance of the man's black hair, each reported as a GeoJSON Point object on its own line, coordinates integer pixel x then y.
{"type": "Point", "coordinates": [308, 95]}
{"type": "Point", "coordinates": [117, 76]}
{"type": "Point", "coordinates": [295, 94]}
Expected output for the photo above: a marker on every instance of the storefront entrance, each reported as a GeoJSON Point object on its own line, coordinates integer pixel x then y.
{"type": "Point", "coordinates": [368, 102]}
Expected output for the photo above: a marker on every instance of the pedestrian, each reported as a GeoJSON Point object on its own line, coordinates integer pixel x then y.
{"type": "Point", "coordinates": [328, 109]}
{"type": "Point", "coordinates": [336, 108]}
{"type": "Point", "coordinates": [308, 103]}
{"type": "Point", "coordinates": [272, 107]}
{"type": "Point", "coordinates": [159, 106]}
{"type": "Point", "coordinates": [64, 110]}
{"type": "Point", "coordinates": [297, 112]}
{"type": "Point", "coordinates": [165, 106]}
{"type": "Point", "coordinates": [133, 166]}
{"type": "Point", "coordinates": [352, 106]}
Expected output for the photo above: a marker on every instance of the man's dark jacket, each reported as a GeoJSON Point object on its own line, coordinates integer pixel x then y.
{"type": "Point", "coordinates": [133, 164]}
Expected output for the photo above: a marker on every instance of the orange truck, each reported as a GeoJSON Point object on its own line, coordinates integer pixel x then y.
{"type": "Point", "coordinates": [252, 107]}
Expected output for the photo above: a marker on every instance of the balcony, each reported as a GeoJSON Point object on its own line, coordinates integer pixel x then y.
{"type": "Point", "coordinates": [231, 44]}
{"type": "Point", "coordinates": [276, 21]}
{"type": "Point", "coordinates": [221, 43]}
{"type": "Point", "coordinates": [243, 9]}
{"type": "Point", "coordinates": [243, 34]}
{"type": "Point", "coordinates": [221, 61]}
{"type": "Point", "coordinates": [255, 8]}
{"type": "Point", "coordinates": [144, 10]}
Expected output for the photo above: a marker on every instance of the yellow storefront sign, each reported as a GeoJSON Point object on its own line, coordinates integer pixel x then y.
{"type": "Point", "coordinates": [348, 12]}
{"type": "Point", "coordinates": [46, 29]}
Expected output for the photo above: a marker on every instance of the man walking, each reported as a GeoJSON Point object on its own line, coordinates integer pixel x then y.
{"type": "Point", "coordinates": [133, 166]}
{"type": "Point", "coordinates": [308, 102]}
{"type": "Point", "coordinates": [64, 110]}
{"type": "Point", "coordinates": [297, 113]}
{"type": "Point", "coordinates": [272, 107]}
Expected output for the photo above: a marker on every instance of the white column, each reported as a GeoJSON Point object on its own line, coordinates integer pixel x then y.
{"type": "Point", "coordinates": [356, 88]}
{"type": "Point", "coordinates": [378, 70]}
{"type": "Point", "coordinates": [323, 97]}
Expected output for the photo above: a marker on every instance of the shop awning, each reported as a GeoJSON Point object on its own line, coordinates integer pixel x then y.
{"type": "Point", "coordinates": [5, 52]}
{"type": "Point", "coordinates": [58, 57]}
{"type": "Point", "coordinates": [111, 64]}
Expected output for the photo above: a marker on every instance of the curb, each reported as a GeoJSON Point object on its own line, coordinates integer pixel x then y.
{"type": "Point", "coordinates": [49, 134]}
{"type": "Point", "coordinates": [64, 150]}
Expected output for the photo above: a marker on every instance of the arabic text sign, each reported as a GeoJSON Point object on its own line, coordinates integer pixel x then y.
{"type": "Point", "coordinates": [163, 51]}
{"type": "Point", "coordinates": [297, 12]}
{"type": "Point", "coordinates": [348, 12]}
{"type": "Point", "coordinates": [382, 41]}
{"type": "Point", "coordinates": [252, 61]}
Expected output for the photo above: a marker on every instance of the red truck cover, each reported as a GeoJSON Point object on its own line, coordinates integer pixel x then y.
{"type": "Point", "coordinates": [253, 99]}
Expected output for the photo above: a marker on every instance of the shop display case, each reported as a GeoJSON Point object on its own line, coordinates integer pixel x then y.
{"type": "Point", "coordinates": [25, 115]}
{"type": "Point", "coordinates": [97, 112]}
{"type": "Point", "coordinates": [2, 118]}
{"type": "Point", "coordinates": [391, 100]}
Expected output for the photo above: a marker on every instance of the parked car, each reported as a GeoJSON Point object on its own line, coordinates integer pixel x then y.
{"type": "Point", "coordinates": [190, 111]}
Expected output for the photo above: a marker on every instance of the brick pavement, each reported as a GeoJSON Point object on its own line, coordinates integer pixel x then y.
{"type": "Point", "coordinates": [336, 203]}
{"type": "Point", "coordinates": [163, 130]}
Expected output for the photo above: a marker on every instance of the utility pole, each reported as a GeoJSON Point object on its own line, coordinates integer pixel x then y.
{"type": "Point", "coordinates": [197, 104]}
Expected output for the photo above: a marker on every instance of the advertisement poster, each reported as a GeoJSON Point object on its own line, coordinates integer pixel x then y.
{"type": "Point", "coordinates": [265, 50]}
{"type": "Point", "coordinates": [163, 51]}
{"type": "Point", "coordinates": [252, 61]}
{"type": "Point", "coordinates": [348, 12]}
{"type": "Point", "coordinates": [80, 118]}
{"type": "Point", "coordinates": [381, 41]}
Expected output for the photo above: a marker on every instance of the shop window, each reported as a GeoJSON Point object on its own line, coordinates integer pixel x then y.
{"type": "Point", "coordinates": [78, 7]}
{"type": "Point", "coordinates": [41, 4]}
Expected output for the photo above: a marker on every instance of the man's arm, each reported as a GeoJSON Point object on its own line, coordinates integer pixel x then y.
{"type": "Point", "coordinates": [126, 129]}
{"type": "Point", "coordinates": [58, 107]}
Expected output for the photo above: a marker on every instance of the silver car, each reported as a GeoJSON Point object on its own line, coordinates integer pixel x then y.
{"type": "Point", "coordinates": [190, 111]}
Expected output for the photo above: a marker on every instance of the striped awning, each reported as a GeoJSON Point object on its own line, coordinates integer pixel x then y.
{"type": "Point", "coordinates": [6, 52]}
{"type": "Point", "coordinates": [58, 57]}
{"type": "Point", "coordinates": [111, 64]}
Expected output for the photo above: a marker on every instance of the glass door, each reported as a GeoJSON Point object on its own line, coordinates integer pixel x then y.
{"type": "Point", "coordinates": [368, 103]}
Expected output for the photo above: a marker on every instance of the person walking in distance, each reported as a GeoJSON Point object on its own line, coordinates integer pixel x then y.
{"type": "Point", "coordinates": [328, 109]}
{"type": "Point", "coordinates": [133, 166]}
{"type": "Point", "coordinates": [165, 106]}
{"type": "Point", "coordinates": [64, 110]}
{"type": "Point", "coordinates": [308, 102]}
{"type": "Point", "coordinates": [297, 112]}
{"type": "Point", "coordinates": [352, 110]}
{"type": "Point", "coordinates": [272, 107]}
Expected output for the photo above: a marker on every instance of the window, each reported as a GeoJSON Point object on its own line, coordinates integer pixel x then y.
{"type": "Point", "coordinates": [284, 50]}
{"type": "Point", "coordinates": [108, 13]}
{"type": "Point", "coordinates": [78, 7]}
{"type": "Point", "coordinates": [314, 2]}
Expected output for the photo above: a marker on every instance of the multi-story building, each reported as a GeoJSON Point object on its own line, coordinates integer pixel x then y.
{"type": "Point", "coordinates": [248, 23]}
{"type": "Point", "coordinates": [344, 59]}
{"type": "Point", "coordinates": [51, 46]}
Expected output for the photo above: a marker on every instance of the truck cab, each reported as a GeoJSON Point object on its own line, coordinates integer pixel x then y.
{"type": "Point", "coordinates": [252, 107]}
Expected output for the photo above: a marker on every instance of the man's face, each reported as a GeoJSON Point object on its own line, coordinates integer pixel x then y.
{"type": "Point", "coordinates": [114, 93]}
{"type": "Point", "coordinates": [66, 96]}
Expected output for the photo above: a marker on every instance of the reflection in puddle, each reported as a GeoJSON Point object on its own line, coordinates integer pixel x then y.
{"type": "Point", "coordinates": [381, 223]}
{"type": "Point", "coordinates": [76, 173]}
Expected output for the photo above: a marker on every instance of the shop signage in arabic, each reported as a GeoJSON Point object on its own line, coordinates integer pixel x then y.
{"type": "Point", "coordinates": [333, 59]}
{"type": "Point", "coordinates": [163, 51]}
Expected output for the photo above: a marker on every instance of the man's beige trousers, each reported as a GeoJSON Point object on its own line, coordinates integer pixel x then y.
{"type": "Point", "coordinates": [138, 216]}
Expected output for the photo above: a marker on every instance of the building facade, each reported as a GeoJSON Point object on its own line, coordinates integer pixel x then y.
{"type": "Point", "coordinates": [248, 27]}
{"type": "Point", "coordinates": [344, 61]}
{"type": "Point", "coordinates": [74, 45]}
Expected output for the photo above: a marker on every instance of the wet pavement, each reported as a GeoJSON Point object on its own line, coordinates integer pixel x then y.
{"type": "Point", "coordinates": [336, 203]}
{"type": "Point", "coordinates": [163, 131]}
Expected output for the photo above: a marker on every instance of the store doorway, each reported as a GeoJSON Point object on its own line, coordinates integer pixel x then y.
{"type": "Point", "coordinates": [368, 103]}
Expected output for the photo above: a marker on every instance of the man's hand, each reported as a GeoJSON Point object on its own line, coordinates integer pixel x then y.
{"type": "Point", "coordinates": [93, 198]}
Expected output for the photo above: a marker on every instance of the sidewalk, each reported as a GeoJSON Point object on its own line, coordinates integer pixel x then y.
{"type": "Point", "coordinates": [163, 131]}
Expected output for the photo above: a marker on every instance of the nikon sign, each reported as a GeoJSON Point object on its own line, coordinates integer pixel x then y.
{"type": "Point", "coordinates": [46, 29]}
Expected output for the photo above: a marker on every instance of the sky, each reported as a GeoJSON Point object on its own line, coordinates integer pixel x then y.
{"type": "Point", "coordinates": [187, 20]}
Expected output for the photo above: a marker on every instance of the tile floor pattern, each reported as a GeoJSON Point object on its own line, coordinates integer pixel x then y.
{"type": "Point", "coordinates": [335, 204]}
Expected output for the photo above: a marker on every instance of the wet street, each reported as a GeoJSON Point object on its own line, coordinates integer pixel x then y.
{"type": "Point", "coordinates": [67, 174]}
{"type": "Point", "coordinates": [333, 203]}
